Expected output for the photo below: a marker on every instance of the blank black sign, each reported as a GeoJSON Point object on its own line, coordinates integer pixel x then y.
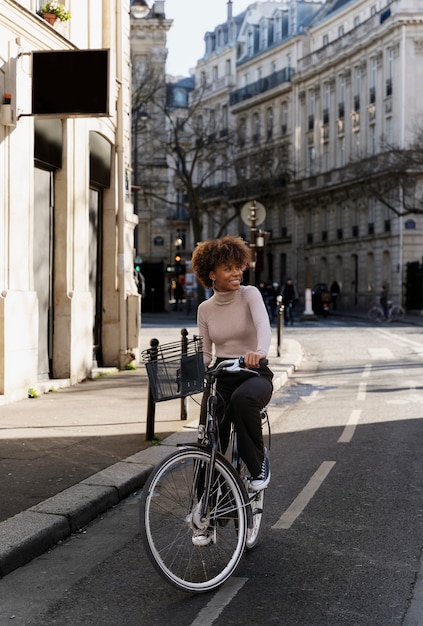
{"type": "Point", "coordinates": [70, 82]}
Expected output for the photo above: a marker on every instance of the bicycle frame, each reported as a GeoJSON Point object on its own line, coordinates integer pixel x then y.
{"type": "Point", "coordinates": [208, 439]}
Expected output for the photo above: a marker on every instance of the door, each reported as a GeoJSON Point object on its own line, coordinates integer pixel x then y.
{"type": "Point", "coordinates": [43, 268]}
{"type": "Point", "coordinates": [95, 269]}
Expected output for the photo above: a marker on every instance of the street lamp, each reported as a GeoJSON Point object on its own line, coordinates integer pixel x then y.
{"type": "Point", "coordinates": [141, 115]}
{"type": "Point", "coordinates": [252, 214]}
{"type": "Point", "coordinates": [139, 9]}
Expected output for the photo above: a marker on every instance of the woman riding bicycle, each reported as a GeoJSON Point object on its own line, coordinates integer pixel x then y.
{"type": "Point", "coordinates": [234, 322]}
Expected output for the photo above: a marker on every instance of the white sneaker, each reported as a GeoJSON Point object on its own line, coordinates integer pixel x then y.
{"type": "Point", "coordinates": [262, 480]}
{"type": "Point", "coordinates": [202, 538]}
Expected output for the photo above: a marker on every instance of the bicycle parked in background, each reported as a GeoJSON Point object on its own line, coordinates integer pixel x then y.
{"type": "Point", "coordinates": [197, 513]}
{"type": "Point", "coordinates": [395, 313]}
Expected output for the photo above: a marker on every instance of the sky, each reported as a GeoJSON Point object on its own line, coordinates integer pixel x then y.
{"type": "Point", "coordinates": [192, 19]}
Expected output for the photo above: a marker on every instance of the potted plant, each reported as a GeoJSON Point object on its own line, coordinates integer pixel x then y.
{"type": "Point", "coordinates": [52, 11]}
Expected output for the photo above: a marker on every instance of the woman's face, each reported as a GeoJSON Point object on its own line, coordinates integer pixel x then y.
{"type": "Point", "coordinates": [227, 277]}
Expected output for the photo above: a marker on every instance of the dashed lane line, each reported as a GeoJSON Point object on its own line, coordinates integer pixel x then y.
{"type": "Point", "coordinates": [298, 505]}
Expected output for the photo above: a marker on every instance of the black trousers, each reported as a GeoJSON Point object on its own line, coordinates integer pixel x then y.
{"type": "Point", "coordinates": [240, 400]}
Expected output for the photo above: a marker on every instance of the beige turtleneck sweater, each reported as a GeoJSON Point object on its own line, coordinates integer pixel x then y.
{"type": "Point", "coordinates": [235, 322]}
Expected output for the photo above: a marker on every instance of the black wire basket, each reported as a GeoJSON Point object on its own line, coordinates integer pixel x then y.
{"type": "Point", "coordinates": [175, 370]}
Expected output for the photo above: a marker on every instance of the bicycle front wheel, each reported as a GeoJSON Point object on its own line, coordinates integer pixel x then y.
{"type": "Point", "coordinates": [397, 313]}
{"type": "Point", "coordinates": [170, 501]}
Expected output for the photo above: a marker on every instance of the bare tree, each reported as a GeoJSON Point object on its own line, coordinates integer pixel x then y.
{"type": "Point", "coordinates": [394, 177]}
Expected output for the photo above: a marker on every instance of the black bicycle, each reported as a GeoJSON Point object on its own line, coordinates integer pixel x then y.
{"type": "Point", "coordinates": [197, 513]}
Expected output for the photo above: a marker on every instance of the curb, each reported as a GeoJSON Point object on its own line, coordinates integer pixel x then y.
{"type": "Point", "coordinates": [33, 532]}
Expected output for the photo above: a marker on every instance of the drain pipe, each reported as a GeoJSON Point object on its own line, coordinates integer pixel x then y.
{"type": "Point", "coordinates": [124, 359]}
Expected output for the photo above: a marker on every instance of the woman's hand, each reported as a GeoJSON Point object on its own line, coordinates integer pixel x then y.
{"type": "Point", "coordinates": [252, 359]}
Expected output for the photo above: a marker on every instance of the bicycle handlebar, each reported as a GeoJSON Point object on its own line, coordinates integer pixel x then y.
{"type": "Point", "coordinates": [235, 365]}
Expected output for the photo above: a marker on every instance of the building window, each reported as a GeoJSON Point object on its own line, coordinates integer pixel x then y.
{"type": "Point", "coordinates": [357, 89]}
{"type": "Point", "coordinates": [263, 35]}
{"type": "Point", "coordinates": [256, 128]}
{"type": "Point", "coordinates": [373, 81]}
{"type": "Point", "coordinates": [250, 43]}
{"type": "Point", "coordinates": [215, 72]}
{"type": "Point", "coordinates": [242, 131]}
{"type": "Point", "coordinates": [356, 21]}
{"type": "Point", "coordinates": [372, 139]}
{"type": "Point", "coordinates": [225, 119]}
{"type": "Point", "coordinates": [269, 123]}
{"type": "Point", "coordinates": [311, 108]}
{"type": "Point", "coordinates": [325, 40]}
{"type": "Point", "coordinates": [326, 157]}
{"type": "Point", "coordinates": [357, 150]}
{"type": "Point", "coordinates": [339, 224]}
{"type": "Point", "coordinates": [228, 68]}
{"type": "Point", "coordinates": [341, 31]}
{"type": "Point", "coordinates": [341, 151]}
{"type": "Point", "coordinates": [389, 132]}
{"type": "Point", "coordinates": [341, 97]}
{"type": "Point", "coordinates": [326, 103]}
{"type": "Point", "coordinates": [278, 27]}
{"type": "Point", "coordinates": [284, 118]}
{"type": "Point", "coordinates": [311, 160]}
{"type": "Point", "coordinates": [389, 70]}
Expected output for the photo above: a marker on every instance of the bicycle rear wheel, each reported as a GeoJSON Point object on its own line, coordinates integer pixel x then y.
{"type": "Point", "coordinates": [376, 314]}
{"type": "Point", "coordinates": [171, 498]}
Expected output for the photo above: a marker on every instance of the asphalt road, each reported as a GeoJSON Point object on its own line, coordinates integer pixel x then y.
{"type": "Point", "coordinates": [343, 523]}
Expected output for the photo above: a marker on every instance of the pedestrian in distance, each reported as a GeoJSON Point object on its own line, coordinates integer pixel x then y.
{"type": "Point", "coordinates": [178, 295]}
{"type": "Point", "coordinates": [289, 299]}
{"type": "Point", "coordinates": [234, 322]}
{"type": "Point", "coordinates": [335, 290]}
{"type": "Point", "coordinates": [383, 301]}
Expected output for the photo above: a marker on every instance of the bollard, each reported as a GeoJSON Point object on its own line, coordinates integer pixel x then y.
{"type": "Point", "coordinates": [280, 322]}
{"type": "Point", "coordinates": [184, 350]}
{"type": "Point", "coordinates": [151, 405]}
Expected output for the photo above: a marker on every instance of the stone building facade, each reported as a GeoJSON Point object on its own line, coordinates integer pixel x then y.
{"type": "Point", "coordinates": [68, 299]}
{"type": "Point", "coordinates": [316, 96]}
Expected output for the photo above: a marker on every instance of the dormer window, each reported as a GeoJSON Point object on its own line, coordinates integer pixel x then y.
{"type": "Point", "coordinates": [278, 27]}
{"type": "Point", "coordinates": [263, 35]}
{"type": "Point", "coordinates": [250, 43]}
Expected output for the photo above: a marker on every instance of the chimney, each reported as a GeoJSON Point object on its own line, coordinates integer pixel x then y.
{"type": "Point", "coordinates": [229, 10]}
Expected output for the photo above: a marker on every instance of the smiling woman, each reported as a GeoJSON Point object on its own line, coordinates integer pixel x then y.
{"type": "Point", "coordinates": [234, 322]}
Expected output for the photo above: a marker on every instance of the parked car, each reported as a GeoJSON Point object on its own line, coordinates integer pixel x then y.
{"type": "Point", "coordinates": [320, 294]}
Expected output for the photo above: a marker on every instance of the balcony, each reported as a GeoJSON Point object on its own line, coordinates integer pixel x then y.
{"type": "Point", "coordinates": [261, 86]}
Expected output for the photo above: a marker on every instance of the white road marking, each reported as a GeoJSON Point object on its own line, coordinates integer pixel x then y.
{"type": "Point", "coordinates": [298, 505]}
{"type": "Point", "coordinates": [311, 397]}
{"type": "Point", "coordinates": [380, 353]}
{"type": "Point", "coordinates": [366, 371]}
{"type": "Point", "coordinates": [350, 427]}
{"type": "Point", "coordinates": [361, 393]}
{"type": "Point", "coordinates": [220, 600]}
